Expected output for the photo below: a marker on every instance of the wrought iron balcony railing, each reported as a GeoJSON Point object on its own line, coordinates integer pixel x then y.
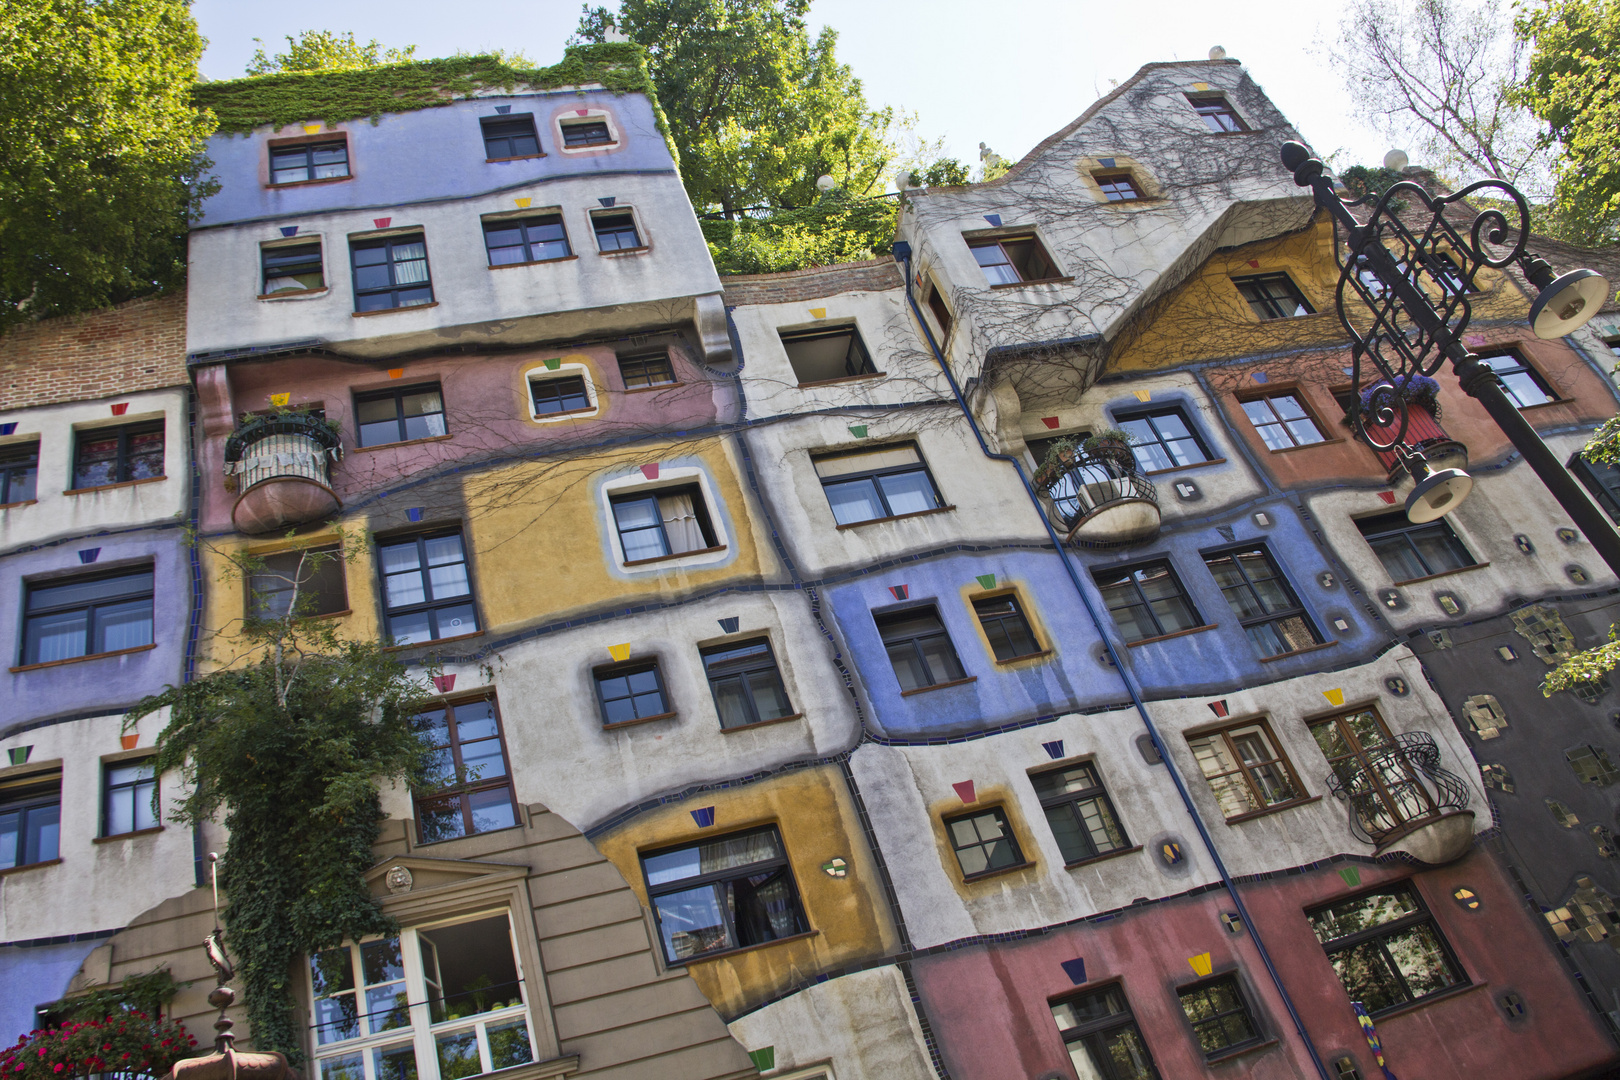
{"type": "Point", "coordinates": [1102, 500]}
{"type": "Point", "coordinates": [1399, 787]}
{"type": "Point", "coordinates": [281, 470]}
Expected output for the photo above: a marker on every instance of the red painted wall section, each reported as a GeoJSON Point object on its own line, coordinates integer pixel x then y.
{"type": "Point", "coordinates": [989, 1005]}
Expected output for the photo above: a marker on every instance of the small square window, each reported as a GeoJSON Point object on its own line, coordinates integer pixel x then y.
{"type": "Point", "coordinates": [1443, 266]}
{"type": "Point", "coordinates": [1079, 811]}
{"type": "Point", "coordinates": [1005, 627]}
{"type": "Point", "coordinates": [1102, 1038]}
{"type": "Point", "coordinates": [1118, 187]}
{"type": "Point", "coordinates": [616, 231]}
{"type": "Point", "coordinates": [290, 268]}
{"type": "Point", "coordinates": [1262, 600]}
{"type": "Point", "coordinates": [824, 355]}
{"type": "Point", "coordinates": [1385, 948]}
{"type": "Point", "coordinates": [64, 618]}
{"type": "Point", "coordinates": [663, 523]}
{"type": "Point", "coordinates": [747, 687]}
{"type": "Point", "coordinates": [1524, 385]}
{"type": "Point", "coordinates": [509, 137]}
{"type": "Point", "coordinates": [1409, 551]}
{"type": "Point", "coordinates": [1219, 1015]}
{"type": "Point", "coordinates": [582, 134]}
{"type": "Point", "coordinates": [722, 894]}
{"type": "Point", "coordinates": [1282, 421]}
{"type": "Point", "coordinates": [391, 272]}
{"type": "Point", "coordinates": [19, 472]}
{"type": "Point", "coordinates": [919, 648]}
{"type": "Point", "coordinates": [631, 692]}
{"type": "Point", "coordinates": [427, 592]}
{"type": "Point", "coordinates": [1217, 114]}
{"type": "Point", "coordinates": [1273, 296]}
{"type": "Point", "coordinates": [538, 238]}
{"type": "Point", "coordinates": [309, 161]}
{"type": "Point", "coordinates": [117, 455]}
{"type": "Point", "coordinates": [875, 484]}
{"type": "Point", "coordinates": [1147, 600]}
{"type": "Point", "coordinates": [126, 804]}
{"type": "Point", "coordinates": [305, 583]}
{"type": "Point", "coordinates": [646, 370]}
{"type": "Point", "coordinates": [1163, 439]}
{"type": "Point", "coordinates": [471, 788]}
{"type": "Point", "coordinates": [390, 416]}
{"type": "Point", "coordinates": [555, 396]}
{"type": "Point", "coordinates": [1012, 259]}
{"type": "Point", "coordinates": [983, 842]}
{"type": "Point", "coordinates": [1246, 770]}
{"type": "Point", "coordinates": [30, 819]}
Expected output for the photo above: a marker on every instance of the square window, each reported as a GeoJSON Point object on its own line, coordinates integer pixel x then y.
{"type": "Point", "coordinates": [309, 161]}
{"type": "Point", "coordinates": [1524, 385]}
{"type": "Point", "coordinates": [1079, 811]}
{"type": "Point", "coordinates": [509, 137]}
{"type": "Point", "coordinates": [1600, 478]}
{"type": "Point", "coordinates": [391, 272]}
{"type": "Point", "coordinates": [823, 355]}
{"type": "Point", "coordinates": [1273, 296]}
{"type": "Point", "coordinates": [663, 523]}
{"type": "Point", "coordinates": [1118, 187]}
{"type": "Point", "coordinates": [303, 583]}
{"type": "Point", "coordinates": [919, 648]}
{"type": "Point", "coordinates": [616, 231]}
{"type": "Point", "coordinates": [875, 484]}
{"type": "Point", "coordinates": [403, 415]}
{"type": "Point", "coordinates": [646, 370]}
{"type": "Point", "coordinates": [1217, 114]}
{"type": "Point", "coordinates": [71, 617]}
{"type": "Point", "coordinates": [631, 692]}
{"type": "Point", "coordinates": [472, 786]}
{"type": "Point", "coordinates": [727, 893]}
{"type": "Point", "coordinates": [555, 396]}
{"type": "Point", "coordinates": [30, 819]}
{"type": "Point", "coordinates": [582, 134]}
{"type": "Point", "coordinates": [117, 455]}
{"type": "Point", "coordinates": [1262, 599]}
{"type": "Point", "coordinates": [1102, 1038]}
{"type": "Point", "coordinates": [1005, 627]}
{"type": "Point", "coordinates": [747, 687]}
{"type": "Point", "coordinates": [19, 472]}
{"type": "Point", "coordinates": [1385, 788]}
{"type": "Point", "coordinates": [126, 804]}
{"type": "Point", "coordinates": [290, 268]}
{"type": "Point", "coordinates": [983, 842]}
{"type": "Point", "coordinates": [538, 238]}
{"type": "Point", "coordinates": [1219, 1015]}
{"type": "Point", "coordinates": [941, 311]}
{"type": "Point", "coordinates": [1246, 770]}
{"type": "Point", "coordinates": [1282, 420]}
{"type": "Point", "coordinates": [427, 592]}
{"type": "Point", "coordinates": [1163, 439]}
{"type": "Point", "coordinates": [1385, 948]}
{"type": "Point", "coordinates": [1410, 552]}
{"type": "Point", "coordinates": [1147, 600]}
{"type": "Point", "coordinates": [1012, 259]}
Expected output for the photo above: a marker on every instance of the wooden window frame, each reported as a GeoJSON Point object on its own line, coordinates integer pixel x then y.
{"type": "Point", "coordinates": [327, 555]}
{"type": "Point", "coordinates": [121, 455]}
{"type": "Point", "coordinates": [29, 794]}
{"type": "Point", "coordinates": [1277, 421]}
{"type": "Point", "coordinates": [857, 346]}
{"type": "Point", "coordinates": [646, 359]}
{"type": "Point", "coordinates": [398, 394]}
{"type": "Point", "coordinates": [1007, 833]}
{"type": "Point", "coordinates": [1009, 597]}
{"type": "Point", "coordinates": [1256, 792]}
{"type": "Point", "coordinates": [487, 122]}
{"type": "Point", "coordinates": [1142, 598]}
{"type": "Point", "coordinates": [627, 214]}
{"type": "Point", "coordinates": [1160, 439]}
{"type": "Point", "coordinates": [467, 787]}
{"type": "Point", "coordinates": [1421, 915]}
{"type": "Point", "coordinates": [1244, 1008]}
{"type": "Point", "coordinates": [1069, 801]}
{"type": "Point", "coordinates": [782, 863]}
{"type": "Point", "coordinates": [894, 615]}
{"type": "Point", "coordinates": [110, 791]}
{"type": "Point", "coordinates": [1266, 617]}
{"type": "Point", "coordinates": [19, 458]}
{"type": "Point", "coordinates": [1211, 106]}
{"type": "Point", "coordinates": [1084, 1032]}
{"type": "Point", "coordinates": [89, 606]}
{"type": "Point", "coordinates": [1399, 526]}
{"type": "Point", "coordinates": [627, 668]}
{"type": "Point", "coordinates": [873, 474]}
{"type": "Point", "coordinates": [976, 244]}
{"type": "Point", "coordinates": [1112, 182]}
{"type": "Point", "coordinates": [744, 668]}
{"type": "Point", "coordinates": [1524, 367]}
{"type": "Point", "coordinates": [309, 146]}
{"type": "Point", "coordinates": [394, 288]}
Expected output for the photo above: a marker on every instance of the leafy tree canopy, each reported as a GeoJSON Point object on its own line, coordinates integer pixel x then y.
{"type": "Point", "coordinates": [322, 50]}
{"type": "Point", "coordinates": [99, 143]}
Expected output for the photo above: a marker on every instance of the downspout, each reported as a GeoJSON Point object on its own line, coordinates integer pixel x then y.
{"type": "Point", "coordinates": [902, 255]}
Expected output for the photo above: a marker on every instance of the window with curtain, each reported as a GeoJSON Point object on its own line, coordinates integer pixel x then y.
{"type": "Point", "coordinates": [727, 893]}
{"type": "Point", "coordinates": [747, 687]}
{"type": "Point", "coordinates": [117, 455]}
{"type": "Point", "coordinates": [663, 523]}
{"type": "Point", "coordinates": [427, 593]}
{"type": "Point", "coordinates": [127, 799]}
{"type": "Point", "coordinates": [65, 618]}
{"type": "Point", "coordinates": [391, 272]}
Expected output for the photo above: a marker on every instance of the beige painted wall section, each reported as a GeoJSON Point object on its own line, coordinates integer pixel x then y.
{"type": "Point", "coordinates": [848, 1023]}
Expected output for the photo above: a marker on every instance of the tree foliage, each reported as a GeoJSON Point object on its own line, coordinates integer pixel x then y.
{"type": "Point", "coordinates": [838, 228]}
{"type": "Point", "coordinates": [99, 144]}
{"type": "Point", "coordinates": [322, 50]}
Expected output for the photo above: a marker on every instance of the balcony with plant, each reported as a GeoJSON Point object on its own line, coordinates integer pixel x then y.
{"type": "Point", "coordinates": [279, 464]}
{"type": "Point", "coordinates": [1095, 493]}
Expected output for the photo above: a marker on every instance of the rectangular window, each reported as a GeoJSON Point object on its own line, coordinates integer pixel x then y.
{"type": "Point", "coordinates": [30, 819]}
{"type": "Point", "coordinates": [1102, 1038]}
{"type": "Point", "coordinates": [1219, 1015]}
{"type": "Point", "coordinates": [1282, 421]}
{"type": "Point", "coordinates": [390, 416]}
{"type": "Point", "coordinates": [578, 134]}
{"type": "Point", "coordinates": [1273, 296]}
{"type": "Point", "coordinates": [1385, 789]}
{"type": "Point", "coordinates": [616, 232]}
{"type": "Point", "coordinates": [1263, 601]}
{"type": "Point", "coordinates": [1443, 266]}
{"type": "Point", "coordinates": [1147, 601]}
{"type": "Point", "coordinates": [1246, 770]}
{"type": "Point", "coordinates": [511, 241]}
{"type": "Point", "coordinates": [942, 313]}
{"type": "Point", "coordinates": [1217, 114]}
{"type": "Point", "coordinates": [1078, 810]}
{"type": "Point", "coordinates": [472, 788]}
{"type": "Point", "coordinates": [1010, 260]}
{"type": "Point", "coordinates": [658, 524]}
{"type": "Point", "coordinates": [552, 397]}
{"type": "Point", "coordinates": [727, 893]}
{"type": "Point", "coordinates": [823, 355]}
{"type": "Point", "coordinates": [1600, 478]}
{"type": "Point", "coordinates": [1118, 187]}
{"type": "Point", "coordinates": [303, 583]}
{"type": "Point", "coordinates": [652, 369]}
{"type": "Point", "coordinates": [19, 472]}
{"type": "Point", "coordinates": [919, 648]}
{"type": "Point", "coordinates": [509, 137]}
{"type": "Point", "coordinates": [1524, 385]}
{"type": "Point", "coordinates": [84, 616]}
{"type": "Point", "coordinates": [290, 268]}
{"type": "Point", "coordinates": [1385, 948]}
{"type": "Point", "coordinates": [463, 1002]}
{"type": "Point", "coordinates": [391, 272]}
{"type": "Point", "coordinates": [117, 455]}
{"type": "Point", "coordinates": [631, 692]}
{"type": "Point", "coordinates": [877, 484]}
{"type": "Point", "coordinates": [1005, 627]}
{"type": "Point", "coordinates": [1409, 551]}
{"type": "Point", "coordinates": [126, 804]}
{"type": "Point", "coordinates": [983, 842]}
{"type": "Point", "coordinates": [1162, 439]}
{"type": "Point", "coordinates": [747, 687]}
{"type": "Point", "coordinates": [309, 161]}
{"type": "Point", "coordinates": [427, 593]}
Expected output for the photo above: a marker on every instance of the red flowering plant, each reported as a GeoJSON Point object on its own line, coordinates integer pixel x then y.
{"type": "Point", "coordinates": [129, 1043]}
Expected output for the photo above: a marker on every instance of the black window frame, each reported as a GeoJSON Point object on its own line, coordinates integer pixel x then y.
{"type": "Point", "coordinates": [589, 125]}
{"type": "Point", "coordinates": [1069, 802]}
{"type": "Point", "coordinates": [874, 475]}
{"type": "Point", "coordinates": [743, 669]}
{"type": "Point", "coordinates": [1142, 601]}
{"type": "Point", "coordinates": [986, 846]}
{"type": "Point", "coordinates": [1396, 524]}
{"type": "Point", "coordinates": [429, 604]}
{"type": "Point", "coordinates": [1599, 477]}
{"type": "Point", "coordinates": [1001, 619]}
{"type": "Point", "coordinates": [767, 868]}
{"type": "Point", "coordinates": [308, 150]}
{"type": "Point", "coordinates": [1216, 1017]}
{"type": "Point", "coordinates": [554, 387]}
{"type": "Point", "coordinates": [1267, 616]}
{"type": "Point", "coordinates": [284, 259]}
{"type": "Point", "coordinates": [893, 639]}
{"type": "Point", "coordinates": [398, 394]}
{"type": "Point", "coordinates": [123, 459]}
{"type": "Point", "coordinates": [1115, 186]}
{"type": "Point", "coordinates": [607, 672]}
{"type": "Point", "coordinates": [1521, 366]}
{"type": "Point", "coordinates": [1281, 423]}
{"type": "Point", "coordinates": [1257, 291]}
{"type": "Point", "coordinates": [1020, 263]}
{"type": "Point", "coordinates": [1090, 1033]}
{"type": "Point", "coordinates": [1214, 109]}
{"type": "Point", "coordinates": [1162, 440]}
{"type": "Point", "coordinates": [513, 121]}
{"type": "Point", "coordinates": [941, 310]}
{"type": "Point", "coordinates": [27, 646]}
{"type": "Point", "coordinates": [138, 797]}
{"type": "Point", "coordinates": [325, 576]}
{"type": "Point", "coordinates": [857, 357]}
{"type": "Point", "coordinates": [19, 473]}
{"type": "Point", "coordinates": [648, 361]}
{"type": "Point", "coordinates": [700, 510]}
{"type": "Point", "coordinates": [1419, 916]}
{"type": "Point", "coordinates": [393, 290]}
{"type": "Point", "coordinates": [25, 796]}
{"type": "Point", "coordinates": [464, 786]}
{"type": "Point", "coordinates": [624, 217]}
{"type": "Point", "coordinates": [529, 245]}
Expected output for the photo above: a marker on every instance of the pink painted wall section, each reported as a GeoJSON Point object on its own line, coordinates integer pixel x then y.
{"type": "Point", "coordinates": [990, 1005]}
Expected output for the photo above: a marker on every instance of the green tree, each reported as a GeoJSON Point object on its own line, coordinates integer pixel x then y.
{"type": "Point", "coordinates": [322, 50]}
{"type": "Point", "coordinates": [99, 151]}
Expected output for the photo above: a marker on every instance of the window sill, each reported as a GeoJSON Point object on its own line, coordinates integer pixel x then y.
{"type": "Point", "coordinates": [939, 686]}
{"type": "Point", "coordinates": [843, 379]}
{"type": "Point", "coordinates": [539, 1070]}
{"type": "Point", "coordinates": [638, 720]}
{"type": "Point", "coordinates": [109, 487]}
{"type": "Point", "coordinates": [292, 294]}
{"type": "Point", "coordinates": [1104, 857]}
{"type": "Point", "coordinates": [518, 157]}
{"type": "Point", "coordinates": [1432, 999]}
{"type": "Point", "coordinates": [536, 262]}
{"type": "Point", "coordinates": [1289, 805]}
{"type": "Point", "coordinates": [407, 442]}
{"type": "Point", "coordinates": [541, 418]}
{"type": "Point", "coordinates": [1035, 281]}
{"type": "Point", "coordinates": [1250, 1048]}
{"type": "Point", "coordinates": [627, 251]}
{"type": "Point", "coordinates": [393, 310]}
{"type": "Point", "coordinates": [1027, 656]}
{"type": "Point", "coordinates": [1547, 404]}
{"type": "Point", "coordinates": [689, 961]}
{"type": "Point", "coordinates": [1298, 652]}
{"type": "Point", "coordinates": [1306, 446]}
{"type": "Point", "coordinates": [762, 723]}
{"type": "Point", "coordinates": [1167, 637]}
{"type": "Point", "coordinates": [1184, 468]}
{"type": "Point", "coordinates": [655, 386]}
{"type": "Point", "coordinates": [677, 555]}
{"type": "Point", "coordinates": [310, 183]}
{"type": "Point", "coordinates": [126, 835]}
{"type": "Point", "coordinates": [898, 517]}
{"type": "Point", "coordinates": [433, 642]}
{"type": "Point", "coordinates": [14, 505]}
{"type": "Point", "coordinates": [418, 843]}
{"type": "Point", "coordinates": [29, 866]}
{"type": "Point", "coordinates": [971, 879]}
{"type": "Point", "coordinates": [1443, 573]}
{"type": "Point", "coordinates": [81, 659]}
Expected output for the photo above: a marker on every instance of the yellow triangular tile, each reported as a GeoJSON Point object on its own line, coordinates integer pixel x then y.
{"type": "Point", "coordinates": [1144, 395]}
{"type": "Point", "coordinates": [1335, 696]}
{"type": "Point", "coordinates": [280, 400]}
{"type": "Point", "coordinates": [523, 204]}
{"type": "Point", "coordinates": [1201, 964]}
{"type": "Point", "coordinates": [620, 653]}
{"type": "Point", "coordinates": [310, 129]}
{"type": "Point", "coordinates": [818, 312]}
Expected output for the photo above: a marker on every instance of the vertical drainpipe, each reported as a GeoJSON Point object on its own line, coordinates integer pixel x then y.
{"type": "Point", "coordinates": [902, 255]}
{"type": "Point", "coordinates": [199, 846]}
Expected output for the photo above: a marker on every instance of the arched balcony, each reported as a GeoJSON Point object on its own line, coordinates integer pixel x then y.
{"type": "Point", "coordinates": [1401, 800]}
{"type": "Point", "coordinates": [280, 466]}
{"type": "Point", "coordinates": [1101, 500]}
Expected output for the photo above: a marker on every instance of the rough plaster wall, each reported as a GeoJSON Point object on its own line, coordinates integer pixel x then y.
{"type": "Point", "coordinates": [861, 1024]}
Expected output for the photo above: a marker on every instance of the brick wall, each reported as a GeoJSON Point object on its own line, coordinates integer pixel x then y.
{"type": "Point", "coordinates": [138, 345]}
{"type": "Point", "coordinates": [793, 285]}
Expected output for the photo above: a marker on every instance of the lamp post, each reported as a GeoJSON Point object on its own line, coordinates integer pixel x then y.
{"type": "Point", "coordinates": [1403, 297]}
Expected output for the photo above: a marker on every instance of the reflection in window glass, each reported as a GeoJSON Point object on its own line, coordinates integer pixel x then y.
{"type": "Point", "coordinates": [1282, 422]}
{"type": "Point", "coordinates": [629, 693]}
{"type": "Point", "coordinates": [471, 790]}
{"type": "Point", "coordinates": [1080, 813]}
{"type": "Point", "coordinates": [1385, 948]}
{"type": "Point", "coordinates": [919, 648]}
{"type": "Point", "coordinates": [724, 894]}
{"type": "Point", "coordinates": [1219, 1015]}
{"type": "Point", "coordinates": [1245, 769]}
{"type": "Point", "coordinates": [426, 590]}
{"type": "Point", "coordinates": [877, 484]}
{"type": "Point", "coordinates": [1102, 1038]}
{"type": "Point", "coordinates": [747, 687]}
{"type": "Point", "coordinates": [65, 618]}
{"type": "Point", "coordinates": [1521, 381]}
{"type": "Point", "coordinates": [983, 842]}
{"type": "Point", "coordinates": [1162, 440]}
{"type": "Point", "coordinates": [1147, 601]}
{"type": "Point", "coordinates": [1410, 551]}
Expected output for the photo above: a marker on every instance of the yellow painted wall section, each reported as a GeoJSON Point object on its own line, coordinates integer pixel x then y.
{"type": "Point", "coordinates": [818, 823]}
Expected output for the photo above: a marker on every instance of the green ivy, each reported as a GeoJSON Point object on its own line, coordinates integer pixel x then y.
{"type": "Point", "coordinates": [837, 228]}
{"type": "Point", "coordinates": [147, 993]}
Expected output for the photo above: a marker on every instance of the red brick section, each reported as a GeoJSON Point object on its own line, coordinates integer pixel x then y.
{"type": "Point", "coordinates": [138, 345]}
{"type": "Point", "coordinates": [874, 275]}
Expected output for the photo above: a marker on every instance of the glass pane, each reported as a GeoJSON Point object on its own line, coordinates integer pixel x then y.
{"type": "Point", "coordinates": [691, 922]}
{"type": "Point", "coordinates": [121, 812]}
{"type": "Point", "coordinates": [387, 1008]}
{"type": "Point", "coordinates": [941, 658]}
{"type": "Point", "coordinates": [507, 237]}
{"type": "Point", "coordinates": [440, 818]}
{"type": "Point", "coordinates": [457, 620]}
{"type": "Point", "coordinates": [1421, 959]}
{"type": "Point", "coordinates": [335, 1018]}
{"type": "Point", "coordinates": [1362, 913]}
{"type": "Point", "coordinates": [397, 1062]}
{"type": "Point", "coordinates": [1367, 976]}
{"type": "Point", "coordinates": [1064, 781]}
{"type": "Point", "coordinates": [509, 1044]}
{"type": "Point", "coordinates": [491, 810]}
{"type": "Point", "coordinates": [1440, 549]}
{"type": "Point", "coordinates": [855, 500]}
{"type": "Point", "coordinates": [1304, 431]}
{"type": "Point", "coordinates": [397, 557]}
{"type": "Point", "coordinates": [123, 626]}
{"type": "Point", "coordinates": [1524, 390]}
{"type": "Point", "coordinates": [42, 828]}
{"type": "Point", "coordinates": [343, 1067]}
{"type": "Point", "coordinates": [1071, 839]}
{"type": "Point", "coordinates": [449, 581]}
{"type": "Point", "coordinates": [909, 493]}
{"type": "Point", "coordinates": [458, 1055]}
{"type": "Point", "coordinates": [422, 403]}
{"type": "Point", "coordinates": [908, 666]}
{"type": "Point", "coordinates": [731, 701]}
{"type": "Point", "coordinates": [56, 637]}
{"type": "Point", "coordinates": [636, 514]}
{"type": "Point", "coordinates": [770, 699]}
{"type": "Point", "coordinates": [410, 629]}
{"type": "Point", "coordinates": [403, 590]}
{"type": "Point", "coordinates": [476, 720]}
{"type": "Point", "coordinates": [380, 962]}
{"type": "Point", "coordinates": [1400, 561]}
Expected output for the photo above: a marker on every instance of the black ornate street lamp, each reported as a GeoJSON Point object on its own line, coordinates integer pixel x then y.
{"type": "Point", "coordinates": [1403, 297]}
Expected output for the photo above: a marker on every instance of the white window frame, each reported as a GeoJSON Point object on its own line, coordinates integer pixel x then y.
{"type": "Point", "coordinates": [542, 373]}
{"type": "Point", "coordinates": [573, 115]}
